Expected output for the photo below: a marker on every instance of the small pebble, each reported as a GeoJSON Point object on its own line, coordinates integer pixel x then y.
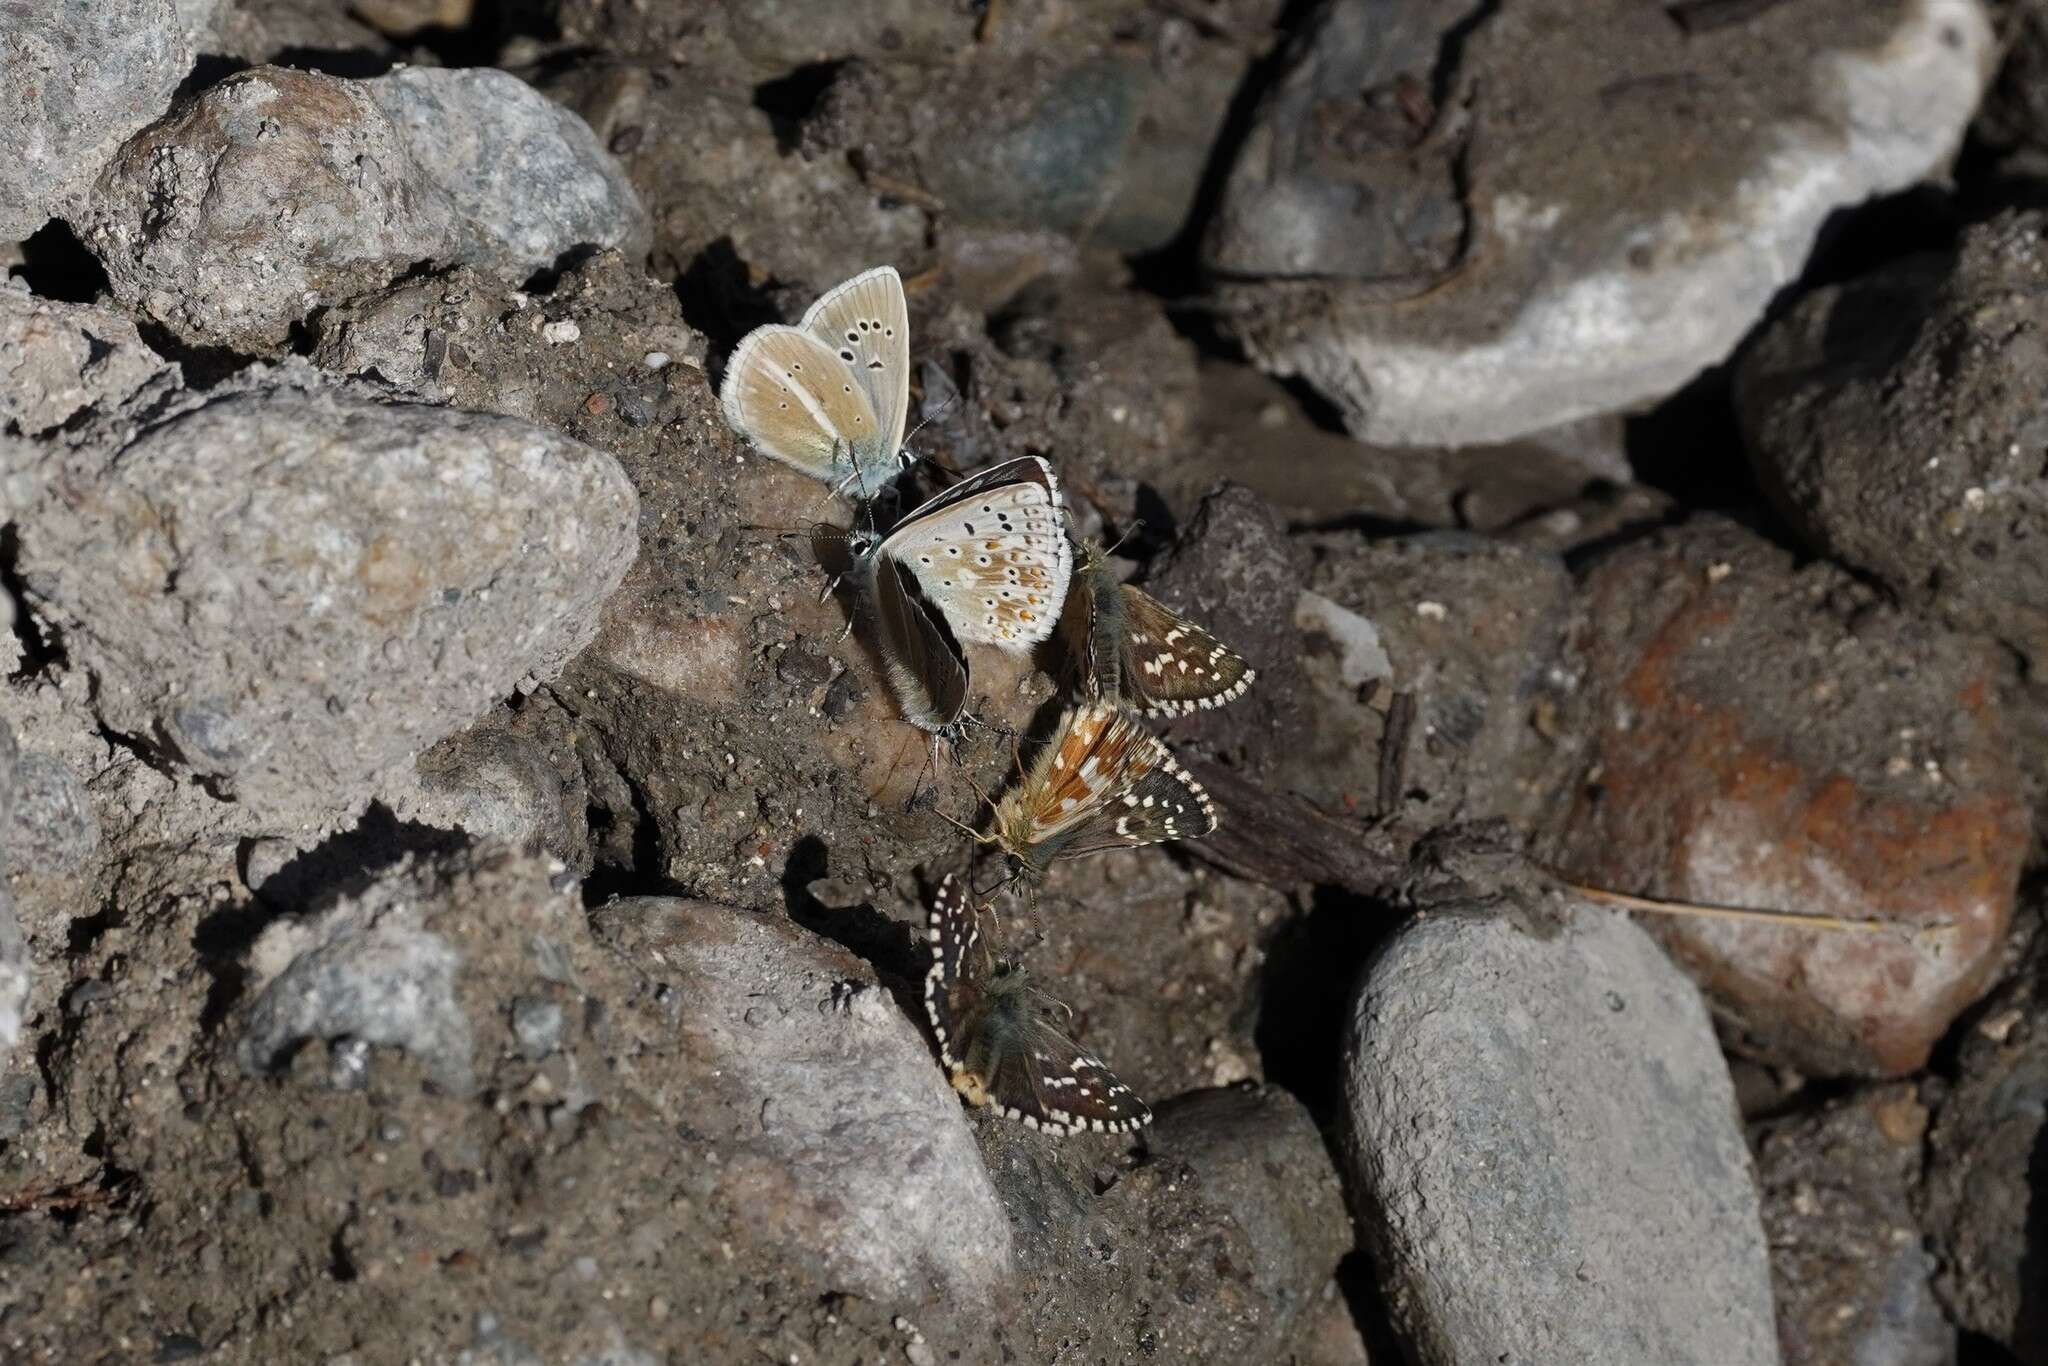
{"type": "Point", "coordinates": [655, 360]}
{"type": "Point", "coordinates": [537, 1024]}
{"type": "Point", "coordinates": [598, 404]}
{"type": "Point", "coordinates": [559, 333]}
{"type": "Point", "coordinates": [348, 1064]}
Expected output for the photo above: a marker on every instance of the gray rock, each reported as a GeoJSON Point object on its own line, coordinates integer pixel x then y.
{"type": "Point", "coordinates": [1103, 133]}
{"type": "Point", "coordinates": [278, 191]}
{"type": "Point", "coordinates": [781, 35]}
{"type": "Point", "coordinates": [1054, 164]}
{"type": "Point", "coordinates": [53, 828]}
{"type": "Point", "coordinates": [1336, 176]}
{"type": "Point", "coordinates": [366, 971]}
{"type": "Point", "coordinates": [14, 969]}
{"type": "Point", "coordinates": [527, 180]}
{"type": "Point", "coordinates": [81, 75]}
{"type": "Point", "coordinates": [1545, 1150]}
{"type": "Point", "coordinates": [1897, 423]}
{"type": "Point", "coordinates": [279, 30]}
{"type": "Point", "coordinates": [1594, 273]}
{"type": "Point", "coordinates": [1852, 1279]}
{"type": "Point", "coordinates": [1239, 1178]}
{"type": "Point", "coordinates": [291, 592]}
{"type": "Point", "coordinates": [716, 178]}
{"type": "Point", "coordinates": [60, 360]}
{"type": "Point", "coordinates": [198, 17]}
{"type": "Point", "coordinates": [839, 1134]}
{"type": "Point", "coordinates": [1255, 1152]}
{"type": "Point", "coordinates": [387, 337]}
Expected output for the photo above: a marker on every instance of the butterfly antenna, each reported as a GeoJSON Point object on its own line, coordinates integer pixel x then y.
{"type": "Point", "coordinates": [1137, 525]}
{"type": "Point", "coordinates": [998, 727]}
{"type": "Point", "coordinates": [964, 827]}
{"type": "Point", "coordinates": [1031, 907]}
{"type": "Point", "coordinates": [996, 888]}
{"type": "Point", "coordinates": [922, 423]}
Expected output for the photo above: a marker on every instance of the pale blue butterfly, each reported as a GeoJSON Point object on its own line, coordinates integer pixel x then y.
{"type": "Point", "coordinates": [829, 396]}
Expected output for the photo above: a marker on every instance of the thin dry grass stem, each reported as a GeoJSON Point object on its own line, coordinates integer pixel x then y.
{"type": "Point", "coordinates": [1790, 919]}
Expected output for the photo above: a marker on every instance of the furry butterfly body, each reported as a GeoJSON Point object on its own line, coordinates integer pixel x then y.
{"type": "Point", "coordinates": [921, 661]}
{"type": "Point", "coordinates": [997, 1040]}
{"type": "Point", "coordinates": [1156, 660]}
{"type": "Point", "coordinates": [1104, 782]}
{"type": "Point", "coordinates": [830, 395]}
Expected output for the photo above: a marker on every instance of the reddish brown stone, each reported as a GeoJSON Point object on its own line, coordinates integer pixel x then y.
{"type": "Point", "coordinates": [1774, 738]}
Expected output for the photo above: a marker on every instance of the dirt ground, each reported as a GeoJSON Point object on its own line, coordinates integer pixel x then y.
{"type": "Point", "coordinates": [445, 1071]}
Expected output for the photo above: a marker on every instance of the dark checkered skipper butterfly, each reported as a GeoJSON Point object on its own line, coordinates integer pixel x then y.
{"type": "Point", "coordinates": [997, 1039]}
{"type": "Point", "coordinates": [830, 395]}
{"type": "Point", "coordinates": [986, 562]}
{"type": "Point", "coordinates": [1105, 782]}
{"type": "Point", "coordinates": [1160, 663]}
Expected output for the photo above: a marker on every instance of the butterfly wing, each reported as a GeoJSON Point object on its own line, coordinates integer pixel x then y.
{"type": "Point", "coordinates": [1066, 1087]}
{"type": "Point", "coordinates": [795, 399]}
{"type": "Point", "coordinates": [991, 554]}
{"type": "Point", "coordinates": [996, 1043]}
{"type": "Point", "coordinates": [867, 324]}
{"type": "Point", "coordinates": [1104, 783]}
{"type": "Point", "coordinates": [920, 661]}
{"type": "Point", "coordinates": [1159, 801]}
{"type": "Point", "coordinates": [1016, 1060]}
{"type": "Point", "coordinates": [1103, 646]}
{"type": "Point", "coordinates": [1168, 666]}
{"type": "Point", "coordinates": [952, 938]}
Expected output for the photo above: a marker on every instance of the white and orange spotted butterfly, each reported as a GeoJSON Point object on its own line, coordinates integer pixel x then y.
{"type": "Point", "coordinates": [1105, 782]}
{"type": "Point", "coordinates": [990, 554]}
{"type": "Point", "coordinates": [829, 396]}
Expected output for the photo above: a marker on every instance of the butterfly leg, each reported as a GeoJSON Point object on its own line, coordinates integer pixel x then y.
{"type": "Point", "coordinates": [931, 764]}
{"type": "Point", "coordinates": [836, 490]}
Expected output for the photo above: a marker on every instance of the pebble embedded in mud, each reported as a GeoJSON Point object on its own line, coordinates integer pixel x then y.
{"type": "Point", "coordinates": [1980, 1203]}
{"type": "Point", "coordinates": [1852, 1276]}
